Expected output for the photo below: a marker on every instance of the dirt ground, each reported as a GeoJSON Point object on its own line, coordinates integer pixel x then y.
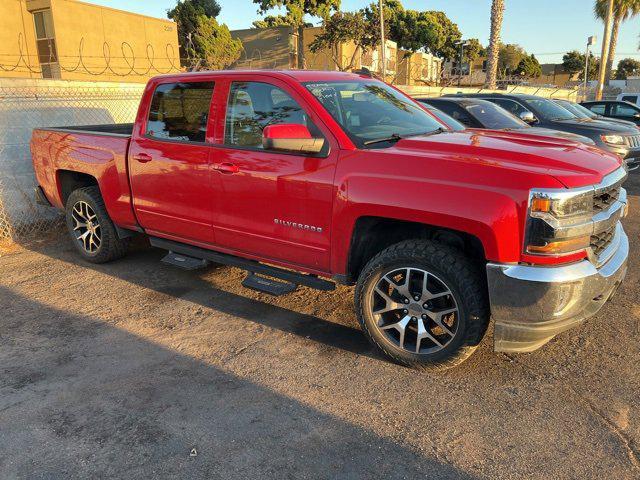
{"type": "Point", "coordinates": [120, 370]}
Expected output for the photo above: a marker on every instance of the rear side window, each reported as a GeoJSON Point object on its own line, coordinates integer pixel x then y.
{"type": "Point", "coordinates": [598, 108]}
{"type": "Point", "coordinates": [457, 112]}
{"type": "Point", "coordinates": [179, 111]}
{"type": "Point", "coordinates": [622, 110]}
{"type": "Point", "coordinates": [509, 105]}
{"type": "Point", "coordinates": [254, 105]}
{"type": "Point", "coordinates": [630, 98]}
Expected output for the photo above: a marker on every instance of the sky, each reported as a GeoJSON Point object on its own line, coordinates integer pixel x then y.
{"type": "Point", "coordinates": [546, 28]}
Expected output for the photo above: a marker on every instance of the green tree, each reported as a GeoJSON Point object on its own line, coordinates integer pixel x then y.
{"type": "Point", "coordinates": [497, 15]}
{"type": "Point", "coordinates": [474, 50]}
{"type": "Point", "coordinates": [627, 67]}
{"type": "Point", "coordinates": [445, 47]}
{"type": "Point", "coordinates": [275, 21]}
{"type": "Point", "coordinates": [214, 45]}
{"type": "Point", "coordinates": [509, 57]}
{"type": "Point", "coordinates": [201, 38]}
{"type": "Point", "coordinates": [529, 67]}
{"type": "Point", "coordinates": [297, 9]}
{"type": "Point", "coordinates": [573, 62]}
{"type": "Point", "coordinates": [622, 10]}
{"type": "Point", "coordinates": [413, 30]}
{"type": "Point", "coordinates": [344, 27]}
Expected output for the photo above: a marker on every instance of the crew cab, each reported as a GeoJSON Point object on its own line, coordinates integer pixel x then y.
{"type": "Point", "coordinates": [317, 178]}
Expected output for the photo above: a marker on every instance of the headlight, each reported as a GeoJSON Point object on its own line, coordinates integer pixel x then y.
{"type": "Point", "coordinates": [613, 139]}
{"type": "Point", "coordinates": [556, 221]}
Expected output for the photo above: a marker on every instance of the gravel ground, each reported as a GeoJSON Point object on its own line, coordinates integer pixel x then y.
{"type": "Point", "coordinates": [120, 370]}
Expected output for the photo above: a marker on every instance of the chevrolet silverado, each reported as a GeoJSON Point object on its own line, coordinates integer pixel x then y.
{"type": "Point", "coordinates": [317, 178]}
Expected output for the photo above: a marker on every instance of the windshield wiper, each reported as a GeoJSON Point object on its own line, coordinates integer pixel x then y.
{"type": "Point", "coordinates": [394, 137]}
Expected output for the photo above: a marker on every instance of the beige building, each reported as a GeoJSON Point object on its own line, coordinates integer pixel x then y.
{"type": "Point", "coordinates": [417, 68]}
{"type": "Point", "coordinates": [73, 40]}
{"type": "Point", "coordinates": [267, 48]}
{"type": "Point", "coordinates": [279, 47]}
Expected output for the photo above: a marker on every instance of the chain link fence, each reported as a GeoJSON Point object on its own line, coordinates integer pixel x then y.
{"type": "Point", "coordinates": [26, 104]}
{"type": "Point", "coordinates": [29, 104]}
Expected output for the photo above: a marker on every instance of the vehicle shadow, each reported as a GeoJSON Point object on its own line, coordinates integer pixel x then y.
{"type": "Point", "coordinates": [632, 183]}
{"type": "Point", "coordinates": [145, 269]}
{"type": "Point", "coordinates": [81, 398]}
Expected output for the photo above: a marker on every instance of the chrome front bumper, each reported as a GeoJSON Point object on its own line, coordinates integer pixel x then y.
{"type": "Point", "coordinates": [530, 305]}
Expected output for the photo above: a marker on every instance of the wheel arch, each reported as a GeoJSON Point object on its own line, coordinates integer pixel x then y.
{"type": "Point", "coordinates": [69, 180]}
{"type": "Point", "coordinates": [373, 234]}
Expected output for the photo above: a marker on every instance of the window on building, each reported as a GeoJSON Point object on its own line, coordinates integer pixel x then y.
{"type": "Point", "coordinates": [254, 105]}
{"type": "Point", "coordinates": [179, 111]}
{"type": "Point", "coordinates": [46, 44]}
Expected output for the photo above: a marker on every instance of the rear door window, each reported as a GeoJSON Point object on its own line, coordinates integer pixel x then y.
{"type": "Point", "coordinates": [179, 111]}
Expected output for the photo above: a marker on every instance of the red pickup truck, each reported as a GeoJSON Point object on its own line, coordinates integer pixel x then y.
{"type": "Point", "coordinates": [312, 178]}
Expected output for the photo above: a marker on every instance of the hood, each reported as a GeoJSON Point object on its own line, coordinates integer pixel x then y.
{"type": "Point", "coordinates": [601, 126]}
{"type": "Point", "coordinates": [572, 164]}
{"type": "Point", "coordinates": [618, 121]}
{"type": "Point", "coordinates": [547, 132]}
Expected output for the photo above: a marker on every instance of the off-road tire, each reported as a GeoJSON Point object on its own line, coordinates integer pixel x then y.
{"type": "Point", "coordinates": [462, 276]}
{"type": "Point", "coordinates": [111, 246]}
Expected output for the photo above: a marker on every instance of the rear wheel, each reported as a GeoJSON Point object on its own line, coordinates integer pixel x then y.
{"type": "Point", "coordinates": [423, 304]}
{"type": "Point", "coordinates": [92, 231]}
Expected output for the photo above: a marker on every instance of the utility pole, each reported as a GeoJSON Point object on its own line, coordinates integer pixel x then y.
{"type": "Point", "coordinates": [462, 44]}
{"type": "Point", "coordinates": [605, 50]}
{"type": "Point", "coordinates": [383, 46]}
{"type": "Point", "coordinates": [590, 41]}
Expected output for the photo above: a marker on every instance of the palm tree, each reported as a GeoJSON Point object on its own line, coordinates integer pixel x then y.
{"type": "Point", "coordinates": [497, 14]}
{"type": "Point", "coordinates": [622, 10]}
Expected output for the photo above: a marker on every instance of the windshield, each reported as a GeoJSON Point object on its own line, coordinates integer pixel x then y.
{"type": "Point", "coordinates": [448, 120]}
{"type": "Point", "coordinates": [547, 110]}
{"type": "Point", "coordinates": [370, 111]}
{"type": "Point", "coordinates": [584, 110]}
{"type": "Point", "coordinates": [494, 117]}
{"type": "Point", "coordinates": [576, 109]}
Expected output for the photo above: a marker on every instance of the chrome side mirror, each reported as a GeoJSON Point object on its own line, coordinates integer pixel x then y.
{"type": "Point", "coordinates": [528, 117]}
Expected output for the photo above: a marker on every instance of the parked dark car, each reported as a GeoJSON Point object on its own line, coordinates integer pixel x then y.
{"type": "Point", "coordinates": [581, 111]}
{"type": "Point", "coordinates": [478, 113]}
{"type": "Point", "coordinates": [619, 139]}
{"type": "Point", "coordinates": [615, 109]}
{"type": "Point", "coordinates": [448, 120]}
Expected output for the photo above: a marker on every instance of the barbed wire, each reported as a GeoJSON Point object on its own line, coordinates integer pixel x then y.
{"type": "Point", "coordinates": [24, 64]}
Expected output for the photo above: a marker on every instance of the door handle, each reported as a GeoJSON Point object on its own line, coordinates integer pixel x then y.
{"type": "Point", "coordinates": [226, 167]}
{"type": "Point", "coordinates": [143, 157]}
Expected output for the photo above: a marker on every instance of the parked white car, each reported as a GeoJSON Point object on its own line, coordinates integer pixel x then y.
{"type": "Point", "coordinates": [629, 97]}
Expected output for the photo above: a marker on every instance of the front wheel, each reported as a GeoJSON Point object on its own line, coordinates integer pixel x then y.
{"type": "Point", "coordinates": [92, 231]}
{"type": "Point", "coordinates": [422, 304]}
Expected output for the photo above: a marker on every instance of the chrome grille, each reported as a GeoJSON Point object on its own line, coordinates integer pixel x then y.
{"type": "Point", "coordinates": [600, 241]}
{"type": "Point", "coordinates": [606, 197]}
{"type": "Point", "coordinates": [632, 141]}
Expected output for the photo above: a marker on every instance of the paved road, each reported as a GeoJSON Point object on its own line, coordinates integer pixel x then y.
{"type": "Point", "coordinates": [120, 370]}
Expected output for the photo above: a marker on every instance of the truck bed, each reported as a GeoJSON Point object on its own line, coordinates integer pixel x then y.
{"type": "Point", "coordinates": [60, 154]}
{"type": "Point", "coordinates": [119, 129]}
